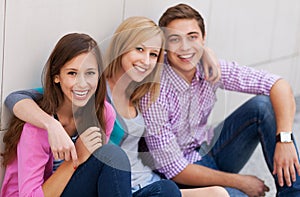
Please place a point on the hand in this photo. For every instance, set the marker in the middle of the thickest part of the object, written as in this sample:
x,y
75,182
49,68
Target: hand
x,y
286,163
61,144
87,143
253,186
211,66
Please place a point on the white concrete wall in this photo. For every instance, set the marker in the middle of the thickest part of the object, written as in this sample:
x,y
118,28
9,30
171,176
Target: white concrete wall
x,y
264,34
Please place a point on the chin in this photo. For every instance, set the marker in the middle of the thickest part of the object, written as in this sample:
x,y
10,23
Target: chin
x,y
138,79
79,103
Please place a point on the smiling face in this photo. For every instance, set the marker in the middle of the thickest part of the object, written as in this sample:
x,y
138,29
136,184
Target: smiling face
x,y
78,79
184,46
139,62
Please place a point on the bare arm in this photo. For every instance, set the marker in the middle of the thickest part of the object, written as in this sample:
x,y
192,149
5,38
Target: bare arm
x,y
198,175
21,103
285,156
61,144
86,144
211,66
211,191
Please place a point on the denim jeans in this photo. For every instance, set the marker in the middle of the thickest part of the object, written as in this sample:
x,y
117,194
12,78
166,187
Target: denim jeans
x,y
106,173
161,188
238,136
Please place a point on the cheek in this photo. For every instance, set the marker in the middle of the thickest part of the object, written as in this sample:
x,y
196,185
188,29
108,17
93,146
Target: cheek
x,y
124,63
172,47
67,83
93,82
171,55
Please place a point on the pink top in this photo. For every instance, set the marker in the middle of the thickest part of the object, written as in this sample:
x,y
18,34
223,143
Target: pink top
x,y
33,164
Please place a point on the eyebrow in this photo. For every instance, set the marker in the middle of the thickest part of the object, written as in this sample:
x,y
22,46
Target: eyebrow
x,y
193,32
75,69
154,48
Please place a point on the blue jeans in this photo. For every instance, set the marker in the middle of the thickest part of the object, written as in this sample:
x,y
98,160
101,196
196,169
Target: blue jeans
x,y
161,188
105,173
239,135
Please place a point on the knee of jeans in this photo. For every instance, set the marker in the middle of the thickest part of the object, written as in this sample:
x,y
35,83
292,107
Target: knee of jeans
x,y
263,104
169,188
113,156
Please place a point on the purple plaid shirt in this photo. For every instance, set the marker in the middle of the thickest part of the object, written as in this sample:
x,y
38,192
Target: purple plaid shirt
x,y
177,121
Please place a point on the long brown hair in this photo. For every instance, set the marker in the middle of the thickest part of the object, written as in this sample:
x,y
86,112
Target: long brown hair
x,y
130,33
68,47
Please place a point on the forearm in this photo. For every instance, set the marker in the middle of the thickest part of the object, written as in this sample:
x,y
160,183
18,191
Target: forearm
x,y
197,175
28,111
55,185
284,105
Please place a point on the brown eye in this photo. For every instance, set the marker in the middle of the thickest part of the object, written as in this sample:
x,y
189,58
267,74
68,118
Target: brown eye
x,y
139,49
72,73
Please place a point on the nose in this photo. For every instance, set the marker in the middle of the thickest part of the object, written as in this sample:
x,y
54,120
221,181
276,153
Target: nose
x,y
185,45
146,59
81,80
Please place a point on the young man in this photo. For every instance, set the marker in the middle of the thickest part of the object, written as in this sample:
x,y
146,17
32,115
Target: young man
x,y
189,152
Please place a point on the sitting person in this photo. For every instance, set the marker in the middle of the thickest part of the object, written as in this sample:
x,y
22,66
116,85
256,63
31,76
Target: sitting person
x,y
192,153
74,94
133,63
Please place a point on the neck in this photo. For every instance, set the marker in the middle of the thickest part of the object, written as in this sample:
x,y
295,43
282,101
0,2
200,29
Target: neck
x,y
66,117
119,83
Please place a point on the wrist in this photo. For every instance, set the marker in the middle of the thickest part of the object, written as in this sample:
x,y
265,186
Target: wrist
x,y
49,122
284,137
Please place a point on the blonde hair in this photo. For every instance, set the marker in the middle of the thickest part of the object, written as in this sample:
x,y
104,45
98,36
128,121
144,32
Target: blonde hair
x,y
132,32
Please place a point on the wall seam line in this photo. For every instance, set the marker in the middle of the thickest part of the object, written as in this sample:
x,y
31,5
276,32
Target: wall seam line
x,y
2,66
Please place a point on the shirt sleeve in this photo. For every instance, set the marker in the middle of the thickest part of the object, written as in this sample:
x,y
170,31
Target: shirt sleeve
x,y
246,79
110,116
161,141
34,161
17,96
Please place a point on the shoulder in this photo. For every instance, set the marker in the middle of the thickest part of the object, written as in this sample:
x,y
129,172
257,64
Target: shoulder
x,y
34,135
32,130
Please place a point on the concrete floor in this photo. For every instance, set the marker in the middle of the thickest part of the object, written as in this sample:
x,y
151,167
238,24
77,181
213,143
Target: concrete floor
x,y
256,166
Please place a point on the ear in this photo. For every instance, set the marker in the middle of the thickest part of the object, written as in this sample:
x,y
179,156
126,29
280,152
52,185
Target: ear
x,y
56,79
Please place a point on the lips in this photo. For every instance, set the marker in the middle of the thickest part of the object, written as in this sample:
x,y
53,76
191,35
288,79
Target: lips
x,y
140,69
80,94
187,56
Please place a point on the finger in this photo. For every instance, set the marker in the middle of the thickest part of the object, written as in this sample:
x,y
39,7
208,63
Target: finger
x,y
215,76
93,146
89,131
73,154
67,155
297,166
206,71
55,155
287,176
266,188
61,155
279,176
96,146
293,173
275,167
95,136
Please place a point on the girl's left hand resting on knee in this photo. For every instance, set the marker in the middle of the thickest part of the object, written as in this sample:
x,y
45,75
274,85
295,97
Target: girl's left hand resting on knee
x,y
89,141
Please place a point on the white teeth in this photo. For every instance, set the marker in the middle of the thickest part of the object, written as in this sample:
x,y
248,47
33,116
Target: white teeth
x,y
80,93
186,56
140,69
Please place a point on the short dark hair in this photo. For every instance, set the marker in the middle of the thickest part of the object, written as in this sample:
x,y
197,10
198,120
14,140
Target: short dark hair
x,y
181,11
